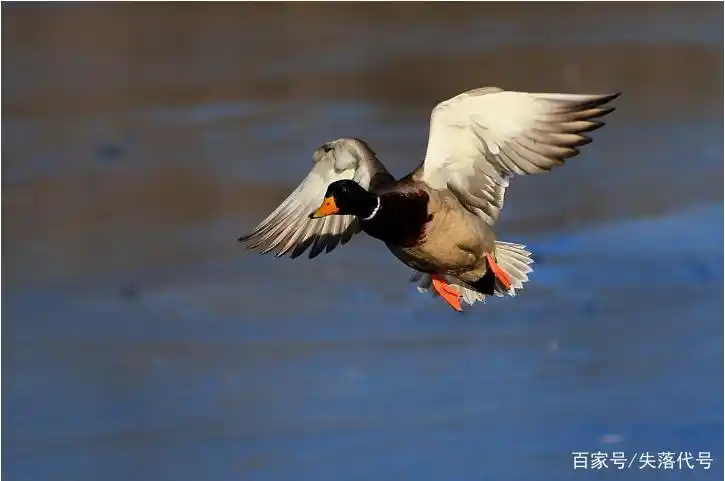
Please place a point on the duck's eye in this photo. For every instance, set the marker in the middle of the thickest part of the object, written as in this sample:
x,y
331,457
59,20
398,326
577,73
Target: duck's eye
x,y
326,148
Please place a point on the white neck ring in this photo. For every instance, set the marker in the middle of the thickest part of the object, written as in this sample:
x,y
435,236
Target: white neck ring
x,y
375,211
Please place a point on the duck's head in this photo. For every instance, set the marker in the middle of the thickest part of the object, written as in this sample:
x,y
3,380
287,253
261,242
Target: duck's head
x,y
347,197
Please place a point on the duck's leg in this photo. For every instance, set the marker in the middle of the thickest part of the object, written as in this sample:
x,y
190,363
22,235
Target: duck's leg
x,y
500,274
448,293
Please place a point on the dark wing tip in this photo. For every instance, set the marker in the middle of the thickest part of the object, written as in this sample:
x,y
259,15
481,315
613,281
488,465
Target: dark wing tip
x,y
599,100
604,100
609,97
604,111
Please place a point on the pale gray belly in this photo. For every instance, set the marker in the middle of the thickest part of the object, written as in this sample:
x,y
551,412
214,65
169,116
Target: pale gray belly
x,y
451,260
454,245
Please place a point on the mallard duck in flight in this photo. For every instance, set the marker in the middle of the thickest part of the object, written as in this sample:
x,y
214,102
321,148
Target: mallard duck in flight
x,y
438,219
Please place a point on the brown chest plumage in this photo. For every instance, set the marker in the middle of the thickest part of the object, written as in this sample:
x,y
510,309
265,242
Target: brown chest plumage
x,y
428,231
401,220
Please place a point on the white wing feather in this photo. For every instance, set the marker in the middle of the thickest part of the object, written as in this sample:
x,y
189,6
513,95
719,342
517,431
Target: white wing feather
x,y
479,139
288,229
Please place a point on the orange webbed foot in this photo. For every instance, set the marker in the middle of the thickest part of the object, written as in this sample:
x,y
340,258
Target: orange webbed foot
x,y
500,274
447,293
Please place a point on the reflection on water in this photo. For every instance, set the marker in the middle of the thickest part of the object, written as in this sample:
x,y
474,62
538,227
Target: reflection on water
x,y
142,342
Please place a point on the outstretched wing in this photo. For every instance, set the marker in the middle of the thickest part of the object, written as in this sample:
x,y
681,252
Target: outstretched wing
x,y
289,230
479,139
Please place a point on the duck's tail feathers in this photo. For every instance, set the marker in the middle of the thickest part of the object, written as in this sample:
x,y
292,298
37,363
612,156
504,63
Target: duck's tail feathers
x,y
514,259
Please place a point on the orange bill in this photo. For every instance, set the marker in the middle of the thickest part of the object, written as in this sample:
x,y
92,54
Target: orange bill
x,y
328,207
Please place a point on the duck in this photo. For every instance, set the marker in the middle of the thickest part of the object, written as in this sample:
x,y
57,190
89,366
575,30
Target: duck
x,y
439,219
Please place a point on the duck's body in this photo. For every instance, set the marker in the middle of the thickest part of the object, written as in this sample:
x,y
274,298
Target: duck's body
x,y
429,231
438,219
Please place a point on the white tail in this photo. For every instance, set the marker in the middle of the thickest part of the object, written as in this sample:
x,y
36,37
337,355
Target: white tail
x,y
514,259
